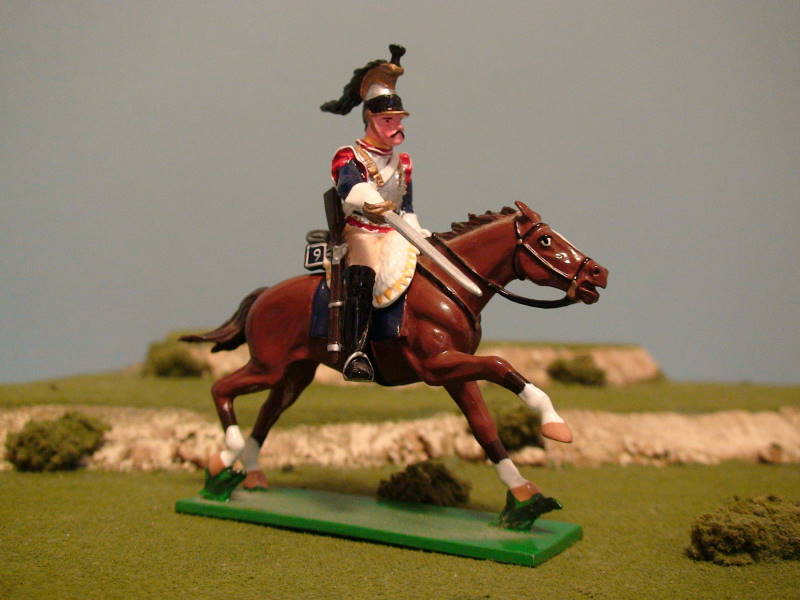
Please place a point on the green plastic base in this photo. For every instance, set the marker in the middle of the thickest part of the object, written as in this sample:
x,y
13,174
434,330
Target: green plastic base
x,y
435,528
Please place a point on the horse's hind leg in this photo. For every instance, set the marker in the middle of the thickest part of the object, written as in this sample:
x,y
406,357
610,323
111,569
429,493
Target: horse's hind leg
x,y
282,395
252,377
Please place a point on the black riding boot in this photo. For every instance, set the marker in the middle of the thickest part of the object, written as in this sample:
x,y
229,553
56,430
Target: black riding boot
x,y
358,282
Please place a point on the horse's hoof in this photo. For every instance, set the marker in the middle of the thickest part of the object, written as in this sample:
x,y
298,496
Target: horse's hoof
x,y
559,432
219,487
255,481
215,464
520,516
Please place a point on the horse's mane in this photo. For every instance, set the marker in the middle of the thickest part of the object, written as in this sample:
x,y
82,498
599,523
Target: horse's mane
x,y
474,222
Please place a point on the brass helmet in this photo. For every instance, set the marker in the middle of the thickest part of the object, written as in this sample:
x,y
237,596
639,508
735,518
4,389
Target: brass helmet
x,y
374,85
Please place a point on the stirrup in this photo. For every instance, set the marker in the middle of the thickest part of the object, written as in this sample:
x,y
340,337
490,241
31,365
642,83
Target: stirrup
x,y
358,368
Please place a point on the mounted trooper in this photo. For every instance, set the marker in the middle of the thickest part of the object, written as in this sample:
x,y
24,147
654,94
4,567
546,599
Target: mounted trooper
x,y
371,179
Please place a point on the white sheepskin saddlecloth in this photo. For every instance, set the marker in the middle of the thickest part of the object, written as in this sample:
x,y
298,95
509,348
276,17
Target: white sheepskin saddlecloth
x,y
398,261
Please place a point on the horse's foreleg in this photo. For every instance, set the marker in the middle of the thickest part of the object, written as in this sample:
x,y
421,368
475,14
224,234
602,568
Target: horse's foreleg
x,y
524,501
282,395
457,367
471,402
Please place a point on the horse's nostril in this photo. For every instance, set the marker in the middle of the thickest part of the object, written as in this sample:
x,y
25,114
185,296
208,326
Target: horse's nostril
x,y
596,271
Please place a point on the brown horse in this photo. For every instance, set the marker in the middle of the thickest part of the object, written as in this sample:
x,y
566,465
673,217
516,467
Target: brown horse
x,y
440,332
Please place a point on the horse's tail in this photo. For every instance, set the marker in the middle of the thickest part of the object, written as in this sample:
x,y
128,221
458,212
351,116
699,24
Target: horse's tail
x,y
229,335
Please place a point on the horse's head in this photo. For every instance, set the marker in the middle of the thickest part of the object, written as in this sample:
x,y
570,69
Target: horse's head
x,y
545,257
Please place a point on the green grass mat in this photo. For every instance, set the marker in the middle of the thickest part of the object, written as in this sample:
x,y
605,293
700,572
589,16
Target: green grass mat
x,y
93,535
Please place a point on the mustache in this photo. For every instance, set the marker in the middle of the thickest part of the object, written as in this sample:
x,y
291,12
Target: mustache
x,y
396,133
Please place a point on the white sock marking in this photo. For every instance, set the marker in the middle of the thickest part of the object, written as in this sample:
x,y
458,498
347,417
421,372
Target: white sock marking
x,y
250,454
234,443
539,401
509,474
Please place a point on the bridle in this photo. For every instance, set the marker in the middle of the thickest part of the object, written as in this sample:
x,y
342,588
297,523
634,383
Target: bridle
x,y
524,246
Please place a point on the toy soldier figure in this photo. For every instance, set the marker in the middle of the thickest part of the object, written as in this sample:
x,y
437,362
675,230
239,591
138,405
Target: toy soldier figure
x,y
371,179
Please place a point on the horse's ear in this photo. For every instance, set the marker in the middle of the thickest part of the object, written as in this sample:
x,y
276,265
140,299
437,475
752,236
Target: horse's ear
x,y
529,214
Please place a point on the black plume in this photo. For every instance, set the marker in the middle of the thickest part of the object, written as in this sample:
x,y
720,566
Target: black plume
x,y
350,93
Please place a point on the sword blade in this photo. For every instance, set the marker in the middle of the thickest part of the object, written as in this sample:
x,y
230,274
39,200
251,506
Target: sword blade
x,y
416,239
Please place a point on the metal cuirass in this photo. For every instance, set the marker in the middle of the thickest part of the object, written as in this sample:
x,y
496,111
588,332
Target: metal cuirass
x,y
395,188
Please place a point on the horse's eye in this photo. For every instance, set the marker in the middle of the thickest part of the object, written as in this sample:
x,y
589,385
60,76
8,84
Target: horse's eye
x,y
545,241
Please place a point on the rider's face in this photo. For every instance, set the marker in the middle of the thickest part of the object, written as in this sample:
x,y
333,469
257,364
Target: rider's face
x,y
386,130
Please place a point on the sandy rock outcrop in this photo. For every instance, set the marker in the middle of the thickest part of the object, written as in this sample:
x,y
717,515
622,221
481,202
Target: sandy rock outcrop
x,y
623,365
220,363
139,440
169,439
672,438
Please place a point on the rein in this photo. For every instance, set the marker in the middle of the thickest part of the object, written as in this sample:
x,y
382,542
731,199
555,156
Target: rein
x,y
499,289
451,293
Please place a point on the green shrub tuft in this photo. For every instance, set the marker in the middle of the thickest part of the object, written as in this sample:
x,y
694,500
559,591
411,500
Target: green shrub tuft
x,y
172,358
55,445
766,528
519,427
581,370
425,482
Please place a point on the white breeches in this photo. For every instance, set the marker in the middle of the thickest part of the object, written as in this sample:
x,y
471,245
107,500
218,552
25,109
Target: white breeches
x,y
388,254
